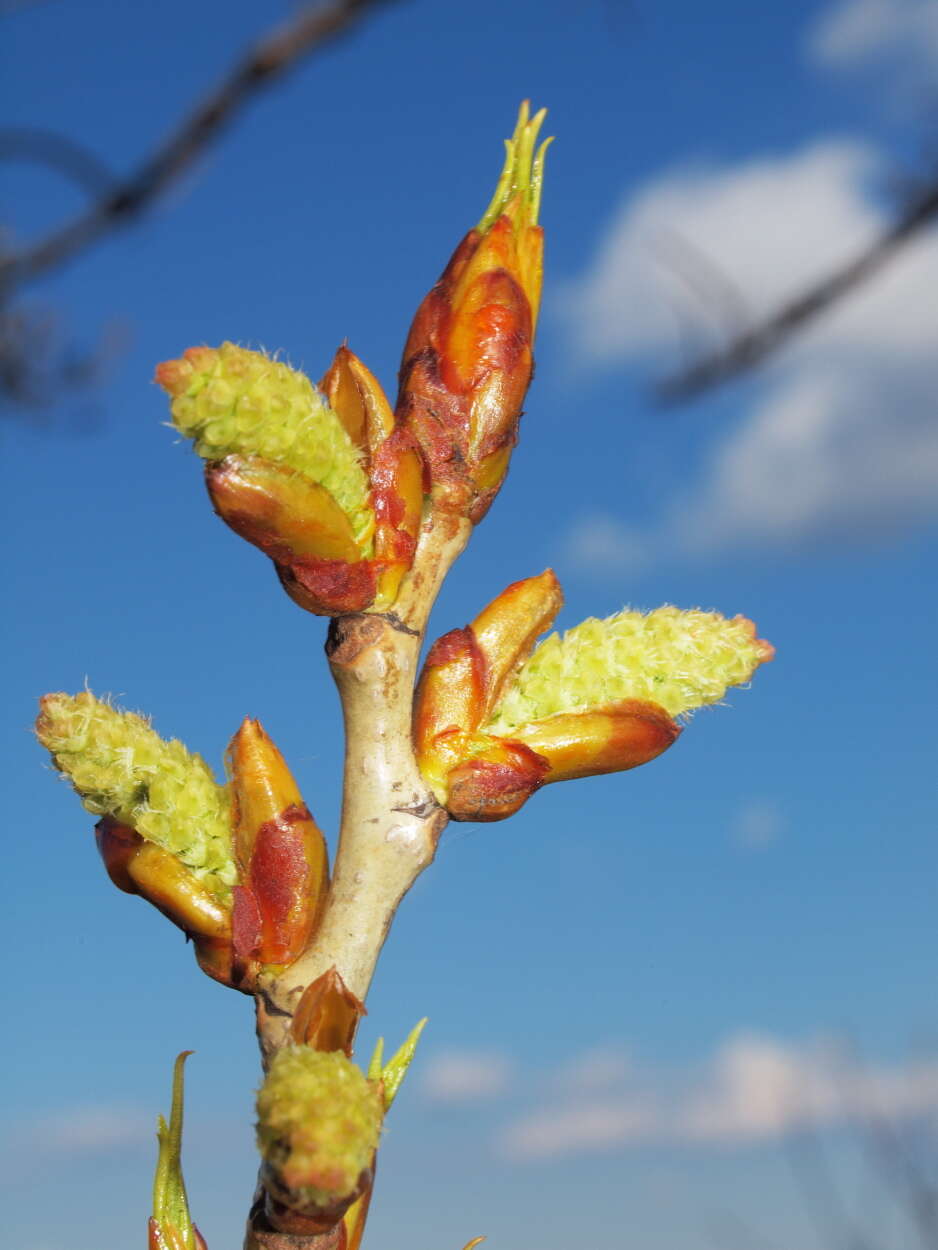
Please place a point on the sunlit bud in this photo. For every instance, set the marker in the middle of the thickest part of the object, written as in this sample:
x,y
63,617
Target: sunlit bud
x,y
601,698
232,401
506,630
327,1015
121,768
449,702
391,460
318,1124
280,852
171,1226
137,866
357,398
468,358
478,776
320,480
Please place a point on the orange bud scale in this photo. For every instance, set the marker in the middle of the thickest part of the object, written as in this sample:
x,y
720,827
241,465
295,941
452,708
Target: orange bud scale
x,y
280,851
602,740
278,882
481,776
327,1015
137,866
492,788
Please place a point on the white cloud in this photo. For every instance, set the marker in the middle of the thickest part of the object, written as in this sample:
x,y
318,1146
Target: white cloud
x,y
842,438
466,1076
601,543
758,824
89,1130
601,1067
753,1089
854,32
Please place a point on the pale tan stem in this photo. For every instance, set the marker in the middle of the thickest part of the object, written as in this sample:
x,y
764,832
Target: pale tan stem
x,y
391,822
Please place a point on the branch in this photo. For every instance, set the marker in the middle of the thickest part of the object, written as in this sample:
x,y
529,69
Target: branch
x,y
391,822
270,57
754,345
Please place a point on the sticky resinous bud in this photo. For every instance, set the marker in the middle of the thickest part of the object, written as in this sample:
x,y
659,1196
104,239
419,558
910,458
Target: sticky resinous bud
x,y
320,480
468,361
281,855
604,697
318,1125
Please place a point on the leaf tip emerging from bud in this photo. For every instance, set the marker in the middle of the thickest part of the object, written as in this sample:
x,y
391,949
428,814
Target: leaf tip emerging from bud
x,y
518,191
171,1226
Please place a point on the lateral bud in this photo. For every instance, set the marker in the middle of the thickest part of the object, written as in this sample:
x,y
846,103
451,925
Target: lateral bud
x,y
322,480
137,866
283,869
318,1124
327,1015
495,719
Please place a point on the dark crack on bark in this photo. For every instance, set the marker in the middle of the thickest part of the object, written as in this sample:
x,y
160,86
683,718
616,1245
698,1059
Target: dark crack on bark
x,y
402,627
420,811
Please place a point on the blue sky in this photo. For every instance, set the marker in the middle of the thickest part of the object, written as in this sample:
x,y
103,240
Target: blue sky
x,y
647,993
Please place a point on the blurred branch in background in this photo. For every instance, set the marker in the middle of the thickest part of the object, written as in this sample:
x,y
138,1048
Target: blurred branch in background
x,y
28,374
751,346
897,1180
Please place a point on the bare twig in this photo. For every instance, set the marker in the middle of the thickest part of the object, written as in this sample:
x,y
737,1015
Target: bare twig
x,y
391,822
754,345
269,58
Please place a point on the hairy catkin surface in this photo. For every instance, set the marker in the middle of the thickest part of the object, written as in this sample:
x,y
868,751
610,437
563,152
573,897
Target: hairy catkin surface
x,y
122,768
318,1122
679,660
240,401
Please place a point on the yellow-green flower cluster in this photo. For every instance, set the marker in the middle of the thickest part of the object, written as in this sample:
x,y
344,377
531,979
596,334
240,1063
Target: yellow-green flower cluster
x,y
122,768
318,1123
678,660
231,400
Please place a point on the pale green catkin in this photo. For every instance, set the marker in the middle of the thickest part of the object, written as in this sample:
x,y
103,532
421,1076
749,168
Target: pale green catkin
x,y
318,1122
238,401
679,660
122,768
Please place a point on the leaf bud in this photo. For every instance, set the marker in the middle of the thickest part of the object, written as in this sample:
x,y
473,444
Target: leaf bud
x,y
468,358
283,867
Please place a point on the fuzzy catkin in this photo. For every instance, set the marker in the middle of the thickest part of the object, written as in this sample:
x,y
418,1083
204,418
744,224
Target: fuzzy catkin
x,y
678,660
120,767
318,1122
234,400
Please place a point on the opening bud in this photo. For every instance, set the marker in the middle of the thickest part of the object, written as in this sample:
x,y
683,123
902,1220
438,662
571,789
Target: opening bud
x,y
468,361
320,480
318,1124
121,768
601,698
